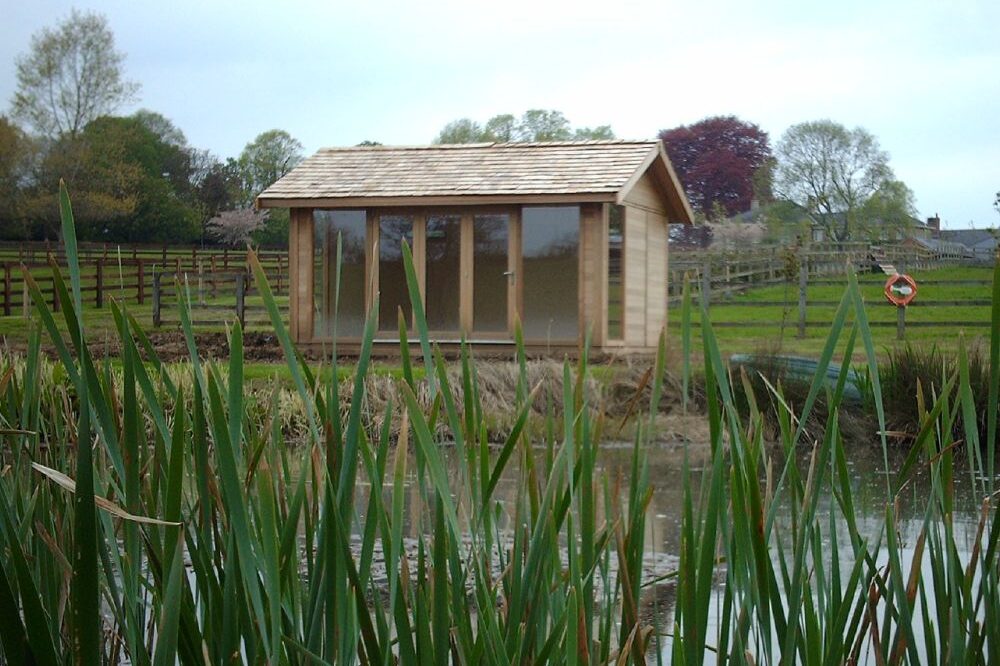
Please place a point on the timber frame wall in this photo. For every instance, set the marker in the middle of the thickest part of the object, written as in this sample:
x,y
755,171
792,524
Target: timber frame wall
x,y
644,266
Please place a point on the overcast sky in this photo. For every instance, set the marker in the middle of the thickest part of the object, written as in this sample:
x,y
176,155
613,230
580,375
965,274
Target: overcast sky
x,y
924,77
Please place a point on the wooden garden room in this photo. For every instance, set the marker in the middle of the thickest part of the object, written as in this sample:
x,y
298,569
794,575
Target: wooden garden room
x,y
564,237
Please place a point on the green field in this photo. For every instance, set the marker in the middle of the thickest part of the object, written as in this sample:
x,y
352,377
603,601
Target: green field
x,y
775,328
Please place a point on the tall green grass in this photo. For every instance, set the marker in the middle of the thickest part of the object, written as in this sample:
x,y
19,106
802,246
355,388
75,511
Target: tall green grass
x,y
157,517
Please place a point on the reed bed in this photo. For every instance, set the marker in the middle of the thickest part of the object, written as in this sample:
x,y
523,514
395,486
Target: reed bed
x,y
152,515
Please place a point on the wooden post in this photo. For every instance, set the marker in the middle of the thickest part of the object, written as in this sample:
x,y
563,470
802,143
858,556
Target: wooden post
x,y
56,304
225,259
901,323
157,320
706,284
99,296
240,292
201,284
803,285
141,282
25,295
278,292
214,283
163,256
6,289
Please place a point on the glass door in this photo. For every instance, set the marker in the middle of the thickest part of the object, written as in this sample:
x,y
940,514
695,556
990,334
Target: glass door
x,y
393,229
442,291
550,240
492,277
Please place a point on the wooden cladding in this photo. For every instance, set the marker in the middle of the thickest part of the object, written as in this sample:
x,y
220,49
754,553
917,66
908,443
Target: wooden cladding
x,y
300,270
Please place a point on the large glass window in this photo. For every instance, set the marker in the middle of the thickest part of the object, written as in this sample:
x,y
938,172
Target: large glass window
x,y
490,234
616,273
444,247
550,241
393,294
349,308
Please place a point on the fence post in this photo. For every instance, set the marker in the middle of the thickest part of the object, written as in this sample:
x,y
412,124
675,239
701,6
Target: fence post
x,y
705,298
156,299
240,292
201,284
278,292
25,295
901,323
99,298
225,259
803,285
6,289
141,277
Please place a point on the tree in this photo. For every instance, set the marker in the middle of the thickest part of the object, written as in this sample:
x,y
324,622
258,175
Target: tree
x,y
266,159
72,75
720,160
128,185
601,132
534,125
463,130
16,151
162,127
236,227
502,128
544,125
996,203
832,172
263,161
889,212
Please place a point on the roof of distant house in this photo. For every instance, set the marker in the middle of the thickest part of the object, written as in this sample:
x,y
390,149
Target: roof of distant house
x,y
477,173
969,237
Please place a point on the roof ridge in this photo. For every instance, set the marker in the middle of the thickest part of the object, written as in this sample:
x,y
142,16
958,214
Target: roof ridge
x,y
494,144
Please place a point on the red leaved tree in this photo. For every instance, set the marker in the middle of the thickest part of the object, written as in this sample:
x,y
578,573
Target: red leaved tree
x,y
720,160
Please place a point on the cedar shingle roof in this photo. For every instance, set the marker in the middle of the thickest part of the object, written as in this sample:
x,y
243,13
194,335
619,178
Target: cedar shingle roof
x,y
484,169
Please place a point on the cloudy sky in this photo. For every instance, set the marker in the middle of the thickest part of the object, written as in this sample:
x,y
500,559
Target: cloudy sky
x,y
923,76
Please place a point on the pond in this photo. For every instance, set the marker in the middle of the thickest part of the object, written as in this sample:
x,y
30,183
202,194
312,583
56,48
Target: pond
x,y
668,466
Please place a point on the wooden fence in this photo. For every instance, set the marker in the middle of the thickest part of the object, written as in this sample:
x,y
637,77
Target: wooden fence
x,y
213,301
716,276
725,272
126,273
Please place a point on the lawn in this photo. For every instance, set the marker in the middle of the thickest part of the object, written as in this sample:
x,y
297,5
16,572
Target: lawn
x,y
742,326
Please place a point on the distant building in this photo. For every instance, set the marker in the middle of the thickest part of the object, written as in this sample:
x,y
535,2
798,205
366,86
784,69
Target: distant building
x,y
980,242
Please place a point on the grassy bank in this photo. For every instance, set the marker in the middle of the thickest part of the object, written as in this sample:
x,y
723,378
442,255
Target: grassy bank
x,y
151,515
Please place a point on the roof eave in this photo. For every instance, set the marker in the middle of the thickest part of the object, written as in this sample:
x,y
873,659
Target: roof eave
x,y
277,201
668,181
